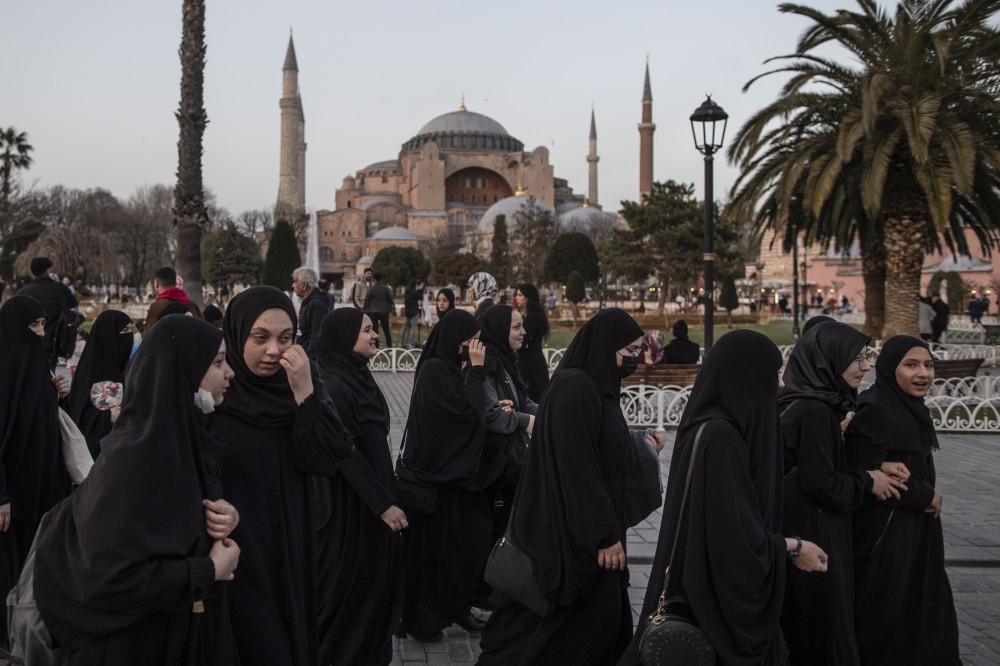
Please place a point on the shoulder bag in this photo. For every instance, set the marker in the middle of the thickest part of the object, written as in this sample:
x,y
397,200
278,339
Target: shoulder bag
x,y
510,570
74,448
670,637
413,494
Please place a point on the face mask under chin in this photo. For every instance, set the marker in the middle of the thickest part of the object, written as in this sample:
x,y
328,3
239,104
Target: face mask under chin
x,y
204,401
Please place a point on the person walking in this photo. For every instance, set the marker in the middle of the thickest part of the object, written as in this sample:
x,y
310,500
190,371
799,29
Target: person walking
x,y
312,310
379,306
531,356
413,297
359,290
940,323
167,293
56,300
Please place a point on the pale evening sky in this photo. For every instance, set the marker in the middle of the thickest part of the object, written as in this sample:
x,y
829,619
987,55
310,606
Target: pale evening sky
x,y
95,84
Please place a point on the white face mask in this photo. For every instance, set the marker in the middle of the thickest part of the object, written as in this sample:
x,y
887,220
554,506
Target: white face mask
x,y
204,401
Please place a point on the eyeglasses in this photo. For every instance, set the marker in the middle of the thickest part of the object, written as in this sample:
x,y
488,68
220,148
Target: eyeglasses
x,y
868,356
633,351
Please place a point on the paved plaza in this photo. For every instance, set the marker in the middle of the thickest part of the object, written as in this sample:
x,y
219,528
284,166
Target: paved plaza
x,y
968,468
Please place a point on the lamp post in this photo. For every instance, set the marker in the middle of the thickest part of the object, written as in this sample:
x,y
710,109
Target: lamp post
x,y
708,126
794,208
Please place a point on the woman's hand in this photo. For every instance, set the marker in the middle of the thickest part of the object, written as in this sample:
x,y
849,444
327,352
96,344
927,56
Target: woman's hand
x,y
656,440
4,517
296,365
811,557
225,555
115,412
612,557
221,518
506,405
531,424
477,352
61,384
896,470
394,518
885,486
935,506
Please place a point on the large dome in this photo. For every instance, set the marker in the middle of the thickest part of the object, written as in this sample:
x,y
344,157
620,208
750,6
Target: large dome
x,y
464,130
395,233
507,207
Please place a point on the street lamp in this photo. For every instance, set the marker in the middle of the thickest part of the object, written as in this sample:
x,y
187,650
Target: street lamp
x,y
708,126
794,210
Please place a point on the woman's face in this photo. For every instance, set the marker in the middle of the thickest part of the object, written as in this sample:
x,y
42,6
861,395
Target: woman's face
x,y
519,299
856,371
516,338
367,338
216,379
442,303
915,373
38,327
631,349
270,336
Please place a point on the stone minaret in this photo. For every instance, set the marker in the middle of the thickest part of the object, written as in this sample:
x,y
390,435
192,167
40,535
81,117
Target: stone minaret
x,y
292,172
646,129
592,160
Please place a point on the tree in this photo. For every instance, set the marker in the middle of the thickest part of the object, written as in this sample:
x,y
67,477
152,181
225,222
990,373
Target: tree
x,y
728,298
572,251
451,267
398,265
901,152
257,224
228,258
190,214
500,252
145,242
282,257
576,291
14,149
535,230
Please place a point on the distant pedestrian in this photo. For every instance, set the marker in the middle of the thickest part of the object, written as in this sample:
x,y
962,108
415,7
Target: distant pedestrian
x,y
359,291
940,323
313,309
56,300
379,306
166,282
925,317
531,357
681,349
413,296
444,303
484,292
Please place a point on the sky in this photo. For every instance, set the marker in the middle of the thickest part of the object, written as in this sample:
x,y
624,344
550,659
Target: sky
x,y
95,84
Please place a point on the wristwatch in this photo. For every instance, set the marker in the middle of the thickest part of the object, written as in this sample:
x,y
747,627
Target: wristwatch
x,y
798,548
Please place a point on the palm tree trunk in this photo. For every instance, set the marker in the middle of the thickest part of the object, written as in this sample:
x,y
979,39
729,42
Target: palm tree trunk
x,y
190,214
905,240
873,273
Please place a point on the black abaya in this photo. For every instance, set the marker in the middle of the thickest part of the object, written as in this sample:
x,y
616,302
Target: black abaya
x,y
122,572
730,559
531,356
570,504
820,492
359,580
904,610
103,360
271,445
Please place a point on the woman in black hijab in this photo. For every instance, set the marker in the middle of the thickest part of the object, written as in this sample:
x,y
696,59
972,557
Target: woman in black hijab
x,y
531,357
730,558
33,476
904,611
822,376
101,367
213,315
129,569
445,302
359,582
445,446
279,426
570,510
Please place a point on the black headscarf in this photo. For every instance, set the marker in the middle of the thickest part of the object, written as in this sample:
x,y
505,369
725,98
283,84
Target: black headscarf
x,y
103,360
32,474
450,295
887,414
100,553
174,307
610,329
813,321
340,364
495,324
817,363
212,314
455,327
262,399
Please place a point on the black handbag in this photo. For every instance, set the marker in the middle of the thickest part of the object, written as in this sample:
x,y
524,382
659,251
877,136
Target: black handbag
x,y
413,495
674,637
510,570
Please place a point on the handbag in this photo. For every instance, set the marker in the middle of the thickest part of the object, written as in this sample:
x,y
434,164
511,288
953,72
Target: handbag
x,y
74,449
413,494
510,570
30,641
674,637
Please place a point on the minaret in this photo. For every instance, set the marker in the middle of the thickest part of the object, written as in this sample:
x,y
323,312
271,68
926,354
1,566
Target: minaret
x,y
646,129
592,160
292,172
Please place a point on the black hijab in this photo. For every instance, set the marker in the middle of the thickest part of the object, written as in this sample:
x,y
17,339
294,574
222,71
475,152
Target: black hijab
x,y
343,369
610,329
103,359
813,321
258,399
455,327
212,315
888,415
174,307
817,363
141,502
450,295
495,323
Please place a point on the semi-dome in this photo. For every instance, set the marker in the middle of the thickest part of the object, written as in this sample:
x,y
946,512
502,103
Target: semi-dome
x,y
464,130
507,207
396,234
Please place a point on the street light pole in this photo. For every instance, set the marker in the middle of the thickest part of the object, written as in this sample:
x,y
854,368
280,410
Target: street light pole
x,y
794,207
708,120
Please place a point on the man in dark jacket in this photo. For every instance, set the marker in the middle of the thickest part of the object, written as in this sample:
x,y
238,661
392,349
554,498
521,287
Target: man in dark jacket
x,y
379,305
681,350
54,297
314,308
940,322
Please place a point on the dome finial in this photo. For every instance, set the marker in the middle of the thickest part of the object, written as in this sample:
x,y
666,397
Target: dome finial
x,y
462,108
586,201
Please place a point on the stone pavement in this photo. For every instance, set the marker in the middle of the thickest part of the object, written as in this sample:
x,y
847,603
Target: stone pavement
x,y
968,468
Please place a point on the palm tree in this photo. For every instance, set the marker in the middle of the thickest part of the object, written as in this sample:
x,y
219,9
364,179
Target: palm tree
x,y
14,149
190,214
900,150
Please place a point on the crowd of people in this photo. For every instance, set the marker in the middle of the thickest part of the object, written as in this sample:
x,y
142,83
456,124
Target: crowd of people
x,y
243,505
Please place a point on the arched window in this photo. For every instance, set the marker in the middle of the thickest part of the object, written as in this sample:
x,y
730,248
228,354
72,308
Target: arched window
x,y
326,255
